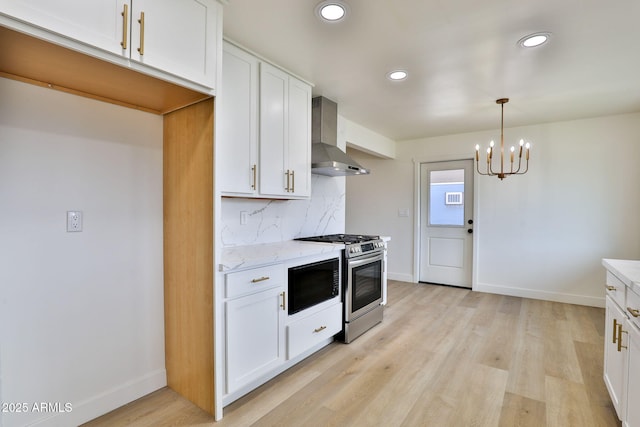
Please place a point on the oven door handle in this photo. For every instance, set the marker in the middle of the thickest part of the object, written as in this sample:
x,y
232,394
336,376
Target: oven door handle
x,y
356,262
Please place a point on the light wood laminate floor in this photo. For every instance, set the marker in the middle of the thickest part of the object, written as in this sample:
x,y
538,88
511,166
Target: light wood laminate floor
x,y
442,357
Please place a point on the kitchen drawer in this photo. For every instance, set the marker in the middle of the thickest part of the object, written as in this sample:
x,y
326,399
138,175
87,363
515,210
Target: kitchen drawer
x,y
633,307
311,330
254,280
616,289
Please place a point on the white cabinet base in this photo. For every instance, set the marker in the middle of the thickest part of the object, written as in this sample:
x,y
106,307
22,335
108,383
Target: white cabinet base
x,y
232,397
307,332
633,387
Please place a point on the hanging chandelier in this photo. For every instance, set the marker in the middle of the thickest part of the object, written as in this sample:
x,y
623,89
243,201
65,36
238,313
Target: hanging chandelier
x,y
502,174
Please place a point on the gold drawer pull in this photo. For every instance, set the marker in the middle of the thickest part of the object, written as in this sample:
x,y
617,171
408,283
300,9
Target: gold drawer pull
x,y
615,330
284,301
620,332
634,311
253,170
141,22
610,288
125,24
293,181
261,279
321,328
288,187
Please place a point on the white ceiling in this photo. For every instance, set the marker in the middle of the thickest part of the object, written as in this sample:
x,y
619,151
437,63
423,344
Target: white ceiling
x,y
461,56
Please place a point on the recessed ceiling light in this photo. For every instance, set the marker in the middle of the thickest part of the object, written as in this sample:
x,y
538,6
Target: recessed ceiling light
x,y
533,40
397,75
331,11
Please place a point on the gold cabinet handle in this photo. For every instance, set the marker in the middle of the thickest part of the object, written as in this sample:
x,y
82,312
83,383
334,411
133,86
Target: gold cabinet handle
x,y
261,279
634,311
610,288
620,332
141,21
254,171
293,181
125,24
615,330
287,189
321,328
284,304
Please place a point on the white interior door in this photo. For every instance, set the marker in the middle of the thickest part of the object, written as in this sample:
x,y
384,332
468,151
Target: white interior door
x,y
446,219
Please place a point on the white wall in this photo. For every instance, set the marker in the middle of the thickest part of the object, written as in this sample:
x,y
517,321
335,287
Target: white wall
x,y
81,314
540,235
363,139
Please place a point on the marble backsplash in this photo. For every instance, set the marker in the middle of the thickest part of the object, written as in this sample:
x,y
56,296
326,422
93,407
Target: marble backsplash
x,y
271,221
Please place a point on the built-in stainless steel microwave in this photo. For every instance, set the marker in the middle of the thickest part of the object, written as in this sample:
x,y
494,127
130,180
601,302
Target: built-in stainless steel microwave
x,y
311,284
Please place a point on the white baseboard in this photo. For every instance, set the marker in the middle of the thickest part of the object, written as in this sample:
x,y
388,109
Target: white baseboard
x,y
400,277
542,295
107,401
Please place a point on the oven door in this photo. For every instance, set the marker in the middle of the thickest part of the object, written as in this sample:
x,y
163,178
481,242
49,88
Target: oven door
x,y
364,284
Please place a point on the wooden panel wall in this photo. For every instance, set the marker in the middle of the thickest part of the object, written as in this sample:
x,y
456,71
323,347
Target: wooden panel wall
x,y
188,252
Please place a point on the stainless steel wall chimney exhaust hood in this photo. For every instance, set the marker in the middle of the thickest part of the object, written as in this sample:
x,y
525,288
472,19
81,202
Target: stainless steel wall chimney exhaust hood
x,y
326,157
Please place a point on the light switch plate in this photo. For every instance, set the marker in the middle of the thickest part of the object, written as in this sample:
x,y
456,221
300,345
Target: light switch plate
x,y
74,221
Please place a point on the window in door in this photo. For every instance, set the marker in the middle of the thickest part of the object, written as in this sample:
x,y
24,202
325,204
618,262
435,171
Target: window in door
x,y
446,197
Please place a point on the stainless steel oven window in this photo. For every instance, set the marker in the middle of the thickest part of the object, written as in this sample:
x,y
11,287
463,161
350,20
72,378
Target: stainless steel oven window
x,y
364,284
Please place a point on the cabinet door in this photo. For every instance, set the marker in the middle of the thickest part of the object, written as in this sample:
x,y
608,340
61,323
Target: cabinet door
x,y
633,376
97,23
299,150
255,336
274,88
237,106
179,37
614,360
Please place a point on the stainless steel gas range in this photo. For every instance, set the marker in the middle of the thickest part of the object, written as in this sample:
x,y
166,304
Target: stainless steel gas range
x,y
362,281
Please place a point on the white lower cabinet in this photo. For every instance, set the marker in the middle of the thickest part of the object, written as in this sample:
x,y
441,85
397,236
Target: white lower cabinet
x,y
632,418
614,358
622,341
261,338
254,325
311,330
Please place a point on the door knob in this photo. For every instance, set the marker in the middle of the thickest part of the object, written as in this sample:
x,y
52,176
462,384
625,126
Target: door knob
x,y
470,221
470,230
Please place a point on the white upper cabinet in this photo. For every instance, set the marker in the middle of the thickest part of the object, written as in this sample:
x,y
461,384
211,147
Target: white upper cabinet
x,y
176,37
299,141
96,23
237,122
285,134
274,89
264,129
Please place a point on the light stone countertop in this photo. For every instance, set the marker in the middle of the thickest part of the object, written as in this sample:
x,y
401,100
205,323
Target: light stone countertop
x,y
247,256
628,271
